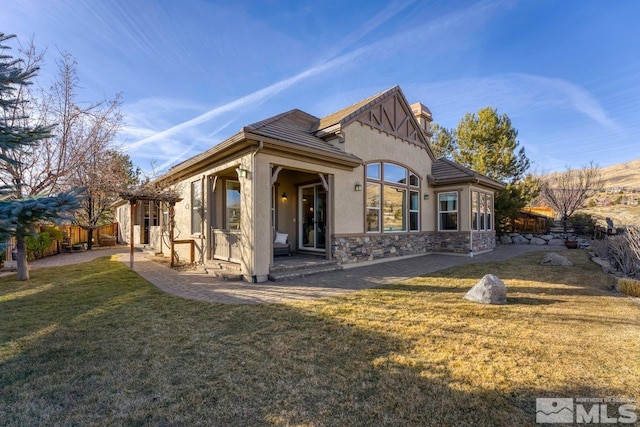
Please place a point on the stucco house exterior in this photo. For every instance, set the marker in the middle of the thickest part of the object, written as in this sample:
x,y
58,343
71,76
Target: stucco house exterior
x,y
358,185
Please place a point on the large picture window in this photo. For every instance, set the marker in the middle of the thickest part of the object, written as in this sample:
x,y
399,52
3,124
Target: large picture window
x,y
482,211
392,199
196,207
448,211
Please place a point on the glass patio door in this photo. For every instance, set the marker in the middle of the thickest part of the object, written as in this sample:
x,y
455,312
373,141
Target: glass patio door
x,y
313,217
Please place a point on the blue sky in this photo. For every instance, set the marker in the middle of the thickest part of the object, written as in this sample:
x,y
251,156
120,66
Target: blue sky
x,y
192,73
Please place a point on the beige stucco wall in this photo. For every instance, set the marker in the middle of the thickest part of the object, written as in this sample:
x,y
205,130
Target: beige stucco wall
x,y
372,145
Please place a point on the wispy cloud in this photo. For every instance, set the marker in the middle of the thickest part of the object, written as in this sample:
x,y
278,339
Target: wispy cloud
x,y
513,93
472,16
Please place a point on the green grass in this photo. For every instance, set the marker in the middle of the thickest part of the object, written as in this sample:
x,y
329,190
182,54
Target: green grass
x,y
94,344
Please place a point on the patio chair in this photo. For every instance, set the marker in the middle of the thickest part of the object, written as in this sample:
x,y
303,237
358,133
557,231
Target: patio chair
x,y
281,245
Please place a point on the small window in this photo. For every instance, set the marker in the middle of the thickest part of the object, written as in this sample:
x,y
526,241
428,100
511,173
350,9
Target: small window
x,y
482,211
196,207
414,211
414,181
373,171
233,206
490,213
448,211
373,207
474,210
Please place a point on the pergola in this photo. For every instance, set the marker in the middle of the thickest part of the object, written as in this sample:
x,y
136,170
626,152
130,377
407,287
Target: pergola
x,y
151,194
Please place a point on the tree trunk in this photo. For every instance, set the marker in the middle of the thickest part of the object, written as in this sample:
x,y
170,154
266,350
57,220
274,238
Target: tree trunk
x,y
21,258
89,238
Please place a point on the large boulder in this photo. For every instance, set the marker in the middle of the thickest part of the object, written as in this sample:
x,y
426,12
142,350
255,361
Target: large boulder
x,y
537,241
489,290
553,258
546,237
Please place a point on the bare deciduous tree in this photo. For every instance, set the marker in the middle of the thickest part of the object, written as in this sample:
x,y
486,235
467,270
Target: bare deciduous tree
x,y
80,130
567,191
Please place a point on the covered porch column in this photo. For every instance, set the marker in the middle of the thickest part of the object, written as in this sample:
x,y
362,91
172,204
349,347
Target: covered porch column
x,y
258,219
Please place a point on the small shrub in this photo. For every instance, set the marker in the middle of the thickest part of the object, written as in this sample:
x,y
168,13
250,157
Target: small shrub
x,y
583,224
617,251
629,286
38,244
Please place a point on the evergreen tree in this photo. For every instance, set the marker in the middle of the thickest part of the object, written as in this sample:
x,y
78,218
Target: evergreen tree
x,y
19,215
487,143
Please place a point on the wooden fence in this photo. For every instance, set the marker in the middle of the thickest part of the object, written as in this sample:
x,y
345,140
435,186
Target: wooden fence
x,y
73,234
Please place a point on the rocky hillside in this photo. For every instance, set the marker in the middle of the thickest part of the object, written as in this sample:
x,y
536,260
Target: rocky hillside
x,y
620,200
625,175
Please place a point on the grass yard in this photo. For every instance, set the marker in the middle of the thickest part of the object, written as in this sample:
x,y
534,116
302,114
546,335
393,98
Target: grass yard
x,y
94,344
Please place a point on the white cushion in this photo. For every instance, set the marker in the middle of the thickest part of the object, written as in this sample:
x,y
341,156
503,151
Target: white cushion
x,y
281,238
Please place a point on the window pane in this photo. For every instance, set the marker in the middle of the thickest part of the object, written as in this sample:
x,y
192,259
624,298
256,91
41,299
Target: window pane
x,y
394,209
196,207
393,173
449,221
373,194
448,202
373,220
233,205
482,211
413,180
414,202
414,221
447,211
373,171
474,210
489,212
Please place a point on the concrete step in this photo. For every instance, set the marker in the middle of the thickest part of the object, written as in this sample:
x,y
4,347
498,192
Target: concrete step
x,y
302,265
290,274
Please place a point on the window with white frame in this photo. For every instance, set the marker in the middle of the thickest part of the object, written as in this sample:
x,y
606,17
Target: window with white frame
x,y
481,211
392,199
448,211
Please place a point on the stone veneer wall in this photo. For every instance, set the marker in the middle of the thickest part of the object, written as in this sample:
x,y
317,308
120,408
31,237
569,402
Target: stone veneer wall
x,y
349,249
484,241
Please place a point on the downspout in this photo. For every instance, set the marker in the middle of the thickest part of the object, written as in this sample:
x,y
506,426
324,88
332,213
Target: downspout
x,y
254,279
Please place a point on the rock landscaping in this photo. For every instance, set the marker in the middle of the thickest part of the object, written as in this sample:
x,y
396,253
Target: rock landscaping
x,y
556,239
489,290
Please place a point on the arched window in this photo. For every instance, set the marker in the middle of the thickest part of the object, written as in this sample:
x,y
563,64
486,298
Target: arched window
x,y
392,198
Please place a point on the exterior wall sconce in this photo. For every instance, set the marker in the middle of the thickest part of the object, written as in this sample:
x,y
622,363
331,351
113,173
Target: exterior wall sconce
x,y
426,197
242,172
358,186
284,197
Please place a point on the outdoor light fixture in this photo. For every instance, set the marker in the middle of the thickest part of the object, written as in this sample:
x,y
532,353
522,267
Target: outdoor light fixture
x,y
426,197
242,172
358,186
284,197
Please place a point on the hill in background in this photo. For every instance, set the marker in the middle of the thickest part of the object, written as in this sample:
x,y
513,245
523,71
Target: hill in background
x,y
620,199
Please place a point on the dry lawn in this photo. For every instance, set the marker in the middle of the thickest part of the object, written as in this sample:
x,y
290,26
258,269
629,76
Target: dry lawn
x,y
94,344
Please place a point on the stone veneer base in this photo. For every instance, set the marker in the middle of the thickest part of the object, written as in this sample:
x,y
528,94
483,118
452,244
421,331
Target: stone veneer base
x,y
350,249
